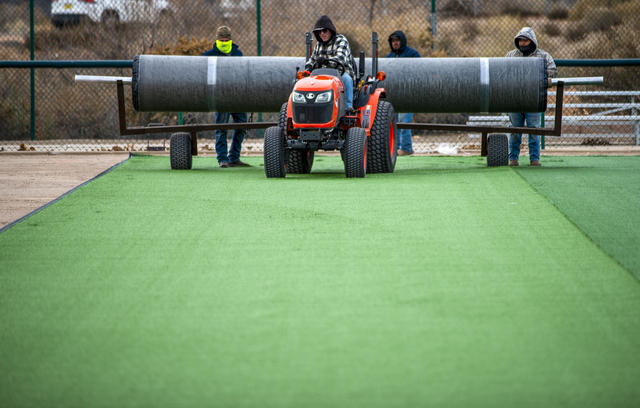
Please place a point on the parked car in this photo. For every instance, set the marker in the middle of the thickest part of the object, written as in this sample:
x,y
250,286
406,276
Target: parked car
x,y
108,11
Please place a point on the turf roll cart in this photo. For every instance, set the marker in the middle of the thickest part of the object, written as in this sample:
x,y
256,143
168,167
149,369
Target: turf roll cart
x,y
163,83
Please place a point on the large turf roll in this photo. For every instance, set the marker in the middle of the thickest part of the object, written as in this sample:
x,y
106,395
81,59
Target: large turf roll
x,y
262,84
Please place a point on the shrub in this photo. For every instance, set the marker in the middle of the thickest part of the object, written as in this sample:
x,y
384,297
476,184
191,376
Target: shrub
x,y
470,30
551,29
458,8
603,19
558,12
522,9
577,31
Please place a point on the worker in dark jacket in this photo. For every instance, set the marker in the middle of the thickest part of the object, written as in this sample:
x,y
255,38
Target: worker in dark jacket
x,y
224,47
400,49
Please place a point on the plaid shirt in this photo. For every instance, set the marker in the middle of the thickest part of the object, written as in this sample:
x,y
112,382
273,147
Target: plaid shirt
x,y
338,50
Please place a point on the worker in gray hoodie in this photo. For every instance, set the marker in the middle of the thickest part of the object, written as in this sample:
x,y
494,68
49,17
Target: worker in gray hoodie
x,y
527,46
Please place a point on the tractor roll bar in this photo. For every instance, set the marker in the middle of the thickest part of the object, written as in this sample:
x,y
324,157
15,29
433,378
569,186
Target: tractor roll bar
x,y
374,54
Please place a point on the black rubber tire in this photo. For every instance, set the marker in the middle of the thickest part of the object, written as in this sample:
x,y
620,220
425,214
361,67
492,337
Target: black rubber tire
x,y
274,144
382,150
355,153
497,150
180,151
298,161
283,116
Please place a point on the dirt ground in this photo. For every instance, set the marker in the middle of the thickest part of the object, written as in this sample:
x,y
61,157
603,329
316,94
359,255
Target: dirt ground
x,y
30,180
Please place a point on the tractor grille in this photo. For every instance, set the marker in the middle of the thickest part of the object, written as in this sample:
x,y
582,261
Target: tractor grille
x,y
312,113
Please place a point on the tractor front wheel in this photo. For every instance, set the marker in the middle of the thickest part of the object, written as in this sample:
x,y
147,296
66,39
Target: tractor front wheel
x,y
274,143
382,143
180,151
355,152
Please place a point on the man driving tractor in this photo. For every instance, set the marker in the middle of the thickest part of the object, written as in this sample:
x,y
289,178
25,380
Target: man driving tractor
x,y
332,51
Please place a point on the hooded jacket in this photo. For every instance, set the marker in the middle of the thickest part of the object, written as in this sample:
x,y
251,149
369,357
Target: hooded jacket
x,y
215,52
527,32
336,50
404,51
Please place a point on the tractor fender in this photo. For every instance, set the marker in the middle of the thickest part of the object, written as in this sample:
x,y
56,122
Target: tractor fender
x,y
370,109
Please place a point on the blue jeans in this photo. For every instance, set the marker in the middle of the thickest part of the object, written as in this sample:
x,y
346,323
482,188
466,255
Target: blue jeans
x,y
347,81
404,135
236,141
515,139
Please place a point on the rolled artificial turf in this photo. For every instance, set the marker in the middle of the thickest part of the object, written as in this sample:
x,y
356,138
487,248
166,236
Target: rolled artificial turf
x,y
444,283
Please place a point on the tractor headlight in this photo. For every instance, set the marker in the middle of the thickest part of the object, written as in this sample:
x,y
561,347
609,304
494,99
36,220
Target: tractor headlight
x,y
299,97
323,97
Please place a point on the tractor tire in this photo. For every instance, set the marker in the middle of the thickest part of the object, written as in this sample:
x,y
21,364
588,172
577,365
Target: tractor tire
x,y
300,161
355,152
382,145
497,150
282,122
274,144
180,151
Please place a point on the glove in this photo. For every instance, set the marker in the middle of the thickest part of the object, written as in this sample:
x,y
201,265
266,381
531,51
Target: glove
x,y
336,65
320,62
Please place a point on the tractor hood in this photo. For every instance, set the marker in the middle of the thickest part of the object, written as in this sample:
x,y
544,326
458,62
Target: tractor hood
x,y
317,83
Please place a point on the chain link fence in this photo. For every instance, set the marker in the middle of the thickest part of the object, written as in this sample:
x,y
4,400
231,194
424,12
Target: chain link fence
x,y
79,116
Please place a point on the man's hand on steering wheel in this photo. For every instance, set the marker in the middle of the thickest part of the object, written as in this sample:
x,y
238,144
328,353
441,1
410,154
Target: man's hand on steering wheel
x,y
322,62
336,65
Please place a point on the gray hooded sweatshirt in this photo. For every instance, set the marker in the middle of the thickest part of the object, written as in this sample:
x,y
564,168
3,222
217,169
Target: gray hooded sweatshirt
x,y
527,32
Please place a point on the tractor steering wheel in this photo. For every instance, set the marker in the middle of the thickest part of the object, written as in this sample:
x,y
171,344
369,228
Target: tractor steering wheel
x,y
329,63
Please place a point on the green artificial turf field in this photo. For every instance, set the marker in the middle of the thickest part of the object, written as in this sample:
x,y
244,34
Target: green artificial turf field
x,y
446,283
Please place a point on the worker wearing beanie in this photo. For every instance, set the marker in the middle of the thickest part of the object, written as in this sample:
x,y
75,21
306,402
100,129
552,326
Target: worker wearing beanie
x,y
224,47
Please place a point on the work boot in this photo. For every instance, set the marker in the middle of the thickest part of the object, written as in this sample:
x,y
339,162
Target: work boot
x,y
223,164
535,163
513,163
404,153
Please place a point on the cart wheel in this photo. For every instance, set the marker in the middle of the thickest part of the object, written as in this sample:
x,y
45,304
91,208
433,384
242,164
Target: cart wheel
x,y
180,151
274,142
497,150
382,141
355,152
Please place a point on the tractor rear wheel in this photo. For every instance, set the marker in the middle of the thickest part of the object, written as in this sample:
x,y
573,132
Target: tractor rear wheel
x,y
355,152
300,161
382,148
283,116
497,150
274,142
180,151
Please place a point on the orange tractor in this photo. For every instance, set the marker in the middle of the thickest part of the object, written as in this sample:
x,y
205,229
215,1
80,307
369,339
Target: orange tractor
x,y
315,118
